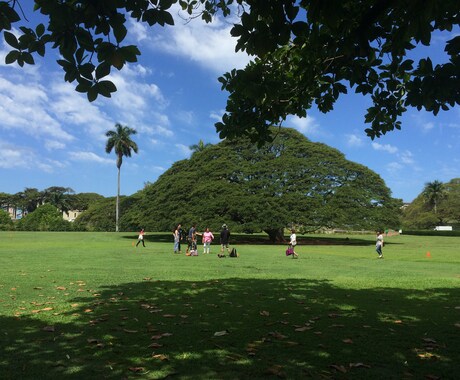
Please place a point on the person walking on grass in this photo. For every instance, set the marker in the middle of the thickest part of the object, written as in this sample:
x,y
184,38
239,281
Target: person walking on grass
x,y
293,243
208,237
176,237
379,244
140,238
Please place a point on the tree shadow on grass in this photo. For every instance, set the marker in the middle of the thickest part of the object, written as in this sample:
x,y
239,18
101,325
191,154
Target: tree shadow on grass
x,y
235,329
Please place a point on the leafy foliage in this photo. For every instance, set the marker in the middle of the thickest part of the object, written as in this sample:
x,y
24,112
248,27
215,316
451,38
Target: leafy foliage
x,y
44,218
305,53
291,182
421,213
6,224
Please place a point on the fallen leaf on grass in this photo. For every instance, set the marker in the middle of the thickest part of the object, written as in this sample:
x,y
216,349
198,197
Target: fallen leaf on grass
x,y
61,288
339,368
221,333
161,357
88,310
155,345
359,365
304,328
49,329
130,331
276,370
347,341
277,335
457,325
47,309
169,316
136,369
264,313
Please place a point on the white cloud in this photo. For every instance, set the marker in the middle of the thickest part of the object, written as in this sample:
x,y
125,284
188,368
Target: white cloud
x,y
183,149
427,126
53,145
407,158
216,115
354,140
24,107
306,125
89,157
209,45
14,156
394,166
385,148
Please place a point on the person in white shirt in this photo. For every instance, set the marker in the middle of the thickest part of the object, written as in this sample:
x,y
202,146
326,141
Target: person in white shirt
x,y
293,243
379,244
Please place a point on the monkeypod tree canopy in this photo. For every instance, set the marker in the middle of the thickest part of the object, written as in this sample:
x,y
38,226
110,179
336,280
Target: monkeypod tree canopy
x,y
290,182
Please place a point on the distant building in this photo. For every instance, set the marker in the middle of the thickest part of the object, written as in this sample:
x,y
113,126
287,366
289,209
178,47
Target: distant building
x,y
13,212
71,215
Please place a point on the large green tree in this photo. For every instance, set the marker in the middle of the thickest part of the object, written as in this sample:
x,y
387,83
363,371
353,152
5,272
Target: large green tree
x,y
305,53
59,197
120,141
290,182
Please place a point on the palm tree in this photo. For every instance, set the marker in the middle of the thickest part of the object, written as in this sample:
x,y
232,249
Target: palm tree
x,y
121,142
199,147
433,193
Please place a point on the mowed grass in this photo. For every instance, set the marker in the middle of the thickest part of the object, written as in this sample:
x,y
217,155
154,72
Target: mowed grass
x,y
93,306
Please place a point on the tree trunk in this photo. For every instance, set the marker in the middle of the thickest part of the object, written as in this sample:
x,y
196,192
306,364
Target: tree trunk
x,y
276,235
118,202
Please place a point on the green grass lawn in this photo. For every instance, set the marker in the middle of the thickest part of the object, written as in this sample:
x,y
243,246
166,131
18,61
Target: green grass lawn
x,y
93,306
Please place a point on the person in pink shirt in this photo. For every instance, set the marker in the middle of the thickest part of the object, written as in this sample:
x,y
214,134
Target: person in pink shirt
x,y
208,237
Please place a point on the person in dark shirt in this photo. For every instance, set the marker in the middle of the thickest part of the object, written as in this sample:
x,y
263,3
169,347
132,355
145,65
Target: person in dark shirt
x,y
224,238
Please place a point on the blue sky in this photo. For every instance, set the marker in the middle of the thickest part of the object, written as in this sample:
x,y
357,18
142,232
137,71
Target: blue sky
x,y
51,135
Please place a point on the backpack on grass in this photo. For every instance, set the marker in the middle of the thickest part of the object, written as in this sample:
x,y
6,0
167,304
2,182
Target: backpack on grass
x,y
233,253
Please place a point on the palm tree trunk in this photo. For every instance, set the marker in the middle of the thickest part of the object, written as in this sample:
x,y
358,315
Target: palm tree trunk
x,y
118,202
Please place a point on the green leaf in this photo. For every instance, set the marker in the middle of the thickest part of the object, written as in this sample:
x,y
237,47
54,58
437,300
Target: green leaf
x,y
120,31
102,70
105,88
28,58
40,30
11,39
92,94
12,57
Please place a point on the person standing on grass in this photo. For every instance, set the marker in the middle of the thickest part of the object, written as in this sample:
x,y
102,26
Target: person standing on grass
x,y
379,244
191,237
293,243
208,237
140,238
180,232
224,238
176,237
